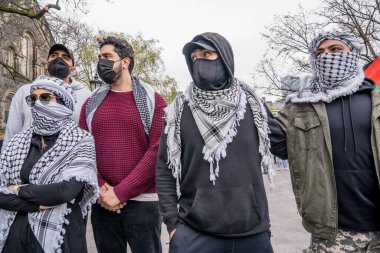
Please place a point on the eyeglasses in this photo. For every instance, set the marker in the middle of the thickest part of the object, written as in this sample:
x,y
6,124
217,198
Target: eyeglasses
x,y
44,98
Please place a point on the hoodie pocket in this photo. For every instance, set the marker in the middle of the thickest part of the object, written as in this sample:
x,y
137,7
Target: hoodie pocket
x,y
224,211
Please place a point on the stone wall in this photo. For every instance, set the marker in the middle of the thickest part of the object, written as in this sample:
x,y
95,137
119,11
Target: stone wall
x,y
24,44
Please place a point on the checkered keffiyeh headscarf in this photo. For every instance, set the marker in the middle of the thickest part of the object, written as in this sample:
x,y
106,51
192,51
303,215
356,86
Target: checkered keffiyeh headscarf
x,y
217,115
334,74
59,88
50,118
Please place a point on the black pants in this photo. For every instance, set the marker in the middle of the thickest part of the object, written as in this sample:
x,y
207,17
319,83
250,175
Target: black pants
x,y
188,240
139,224
21,237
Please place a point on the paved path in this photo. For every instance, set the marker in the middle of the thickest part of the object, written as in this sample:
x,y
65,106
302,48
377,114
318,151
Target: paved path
x,y
288,236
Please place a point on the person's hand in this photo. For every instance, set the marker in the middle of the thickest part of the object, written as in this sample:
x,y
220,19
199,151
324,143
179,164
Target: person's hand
x,y
116,208
171,234
109,200
119,207
102,190
11,187
43,208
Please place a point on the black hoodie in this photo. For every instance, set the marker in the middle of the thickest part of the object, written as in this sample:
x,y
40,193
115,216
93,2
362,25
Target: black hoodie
x,y
358,190
236,205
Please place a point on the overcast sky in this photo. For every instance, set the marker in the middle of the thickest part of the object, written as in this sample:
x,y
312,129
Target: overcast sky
x,y
175,22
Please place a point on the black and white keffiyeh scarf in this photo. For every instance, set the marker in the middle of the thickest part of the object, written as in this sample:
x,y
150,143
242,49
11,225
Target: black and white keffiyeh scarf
x,y
141,98
50,118
72,156
59,88
217,115
334,74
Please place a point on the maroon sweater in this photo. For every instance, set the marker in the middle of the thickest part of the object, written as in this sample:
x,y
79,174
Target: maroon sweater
x,y
126,157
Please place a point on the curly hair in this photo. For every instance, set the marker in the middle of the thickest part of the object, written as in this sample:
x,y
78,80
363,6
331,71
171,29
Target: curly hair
x,y
122,48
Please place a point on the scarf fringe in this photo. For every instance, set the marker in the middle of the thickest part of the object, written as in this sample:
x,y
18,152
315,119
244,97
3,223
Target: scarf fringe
x,y
303,95
263,132
86,204
214,156
173,115
62,221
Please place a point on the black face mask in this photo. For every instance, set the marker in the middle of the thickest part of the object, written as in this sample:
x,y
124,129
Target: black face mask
x,y
58,68
106,72
210,74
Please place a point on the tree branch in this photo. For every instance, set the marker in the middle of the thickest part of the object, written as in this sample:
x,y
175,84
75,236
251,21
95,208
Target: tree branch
x,y
29,13
13,72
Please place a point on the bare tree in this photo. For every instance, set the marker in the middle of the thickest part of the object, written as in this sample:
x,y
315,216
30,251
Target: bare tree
x,y
16,7
289,36
360,17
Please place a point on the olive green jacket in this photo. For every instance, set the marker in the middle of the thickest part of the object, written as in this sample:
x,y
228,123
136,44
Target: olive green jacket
x,y
309,150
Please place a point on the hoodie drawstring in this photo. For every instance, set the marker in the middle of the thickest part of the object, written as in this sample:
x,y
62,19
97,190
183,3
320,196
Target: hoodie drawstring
x,y
344,125
353,126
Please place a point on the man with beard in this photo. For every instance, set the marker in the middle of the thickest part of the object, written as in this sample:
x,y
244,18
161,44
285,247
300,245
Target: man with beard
x,y
331,128
60,64
214,144
125,117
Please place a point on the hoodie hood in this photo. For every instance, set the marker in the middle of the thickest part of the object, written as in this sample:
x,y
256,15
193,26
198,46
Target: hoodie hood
x,y
222,46
75,85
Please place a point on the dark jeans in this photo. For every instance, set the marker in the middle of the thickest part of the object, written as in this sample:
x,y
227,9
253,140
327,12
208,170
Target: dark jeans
x,y
139,224
188,240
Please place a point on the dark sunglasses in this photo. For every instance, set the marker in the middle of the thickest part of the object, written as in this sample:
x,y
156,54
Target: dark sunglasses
x,y
44,98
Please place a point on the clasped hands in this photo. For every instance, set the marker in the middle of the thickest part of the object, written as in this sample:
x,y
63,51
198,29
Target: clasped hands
x,y
108,199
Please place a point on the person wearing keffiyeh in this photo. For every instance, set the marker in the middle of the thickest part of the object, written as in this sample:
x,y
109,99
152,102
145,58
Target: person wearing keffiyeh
x,y
215,140
331,128
48,176
125,116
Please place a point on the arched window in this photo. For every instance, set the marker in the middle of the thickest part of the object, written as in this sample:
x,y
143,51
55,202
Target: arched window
x,y
11,57
7,106
27,49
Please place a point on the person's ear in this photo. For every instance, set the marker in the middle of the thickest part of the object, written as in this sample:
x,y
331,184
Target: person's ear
x,y
126,62
73,71
44,64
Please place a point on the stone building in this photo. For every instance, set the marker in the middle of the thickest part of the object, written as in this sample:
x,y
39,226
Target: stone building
x,y
24,45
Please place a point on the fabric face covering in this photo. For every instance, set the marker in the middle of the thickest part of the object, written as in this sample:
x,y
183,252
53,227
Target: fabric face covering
x,y
105,70
210,74
333,69
333,75
58,68
50,118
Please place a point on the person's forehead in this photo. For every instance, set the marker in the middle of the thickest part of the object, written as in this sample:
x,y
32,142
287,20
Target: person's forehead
x,y
200,50
60,52
330,42
40,91
107,49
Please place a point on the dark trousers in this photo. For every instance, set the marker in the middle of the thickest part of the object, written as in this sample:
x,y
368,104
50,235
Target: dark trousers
x,y
21,237
139,224
188,240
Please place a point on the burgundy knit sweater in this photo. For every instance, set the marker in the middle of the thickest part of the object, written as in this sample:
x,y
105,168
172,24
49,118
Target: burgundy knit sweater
x,y
126,157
